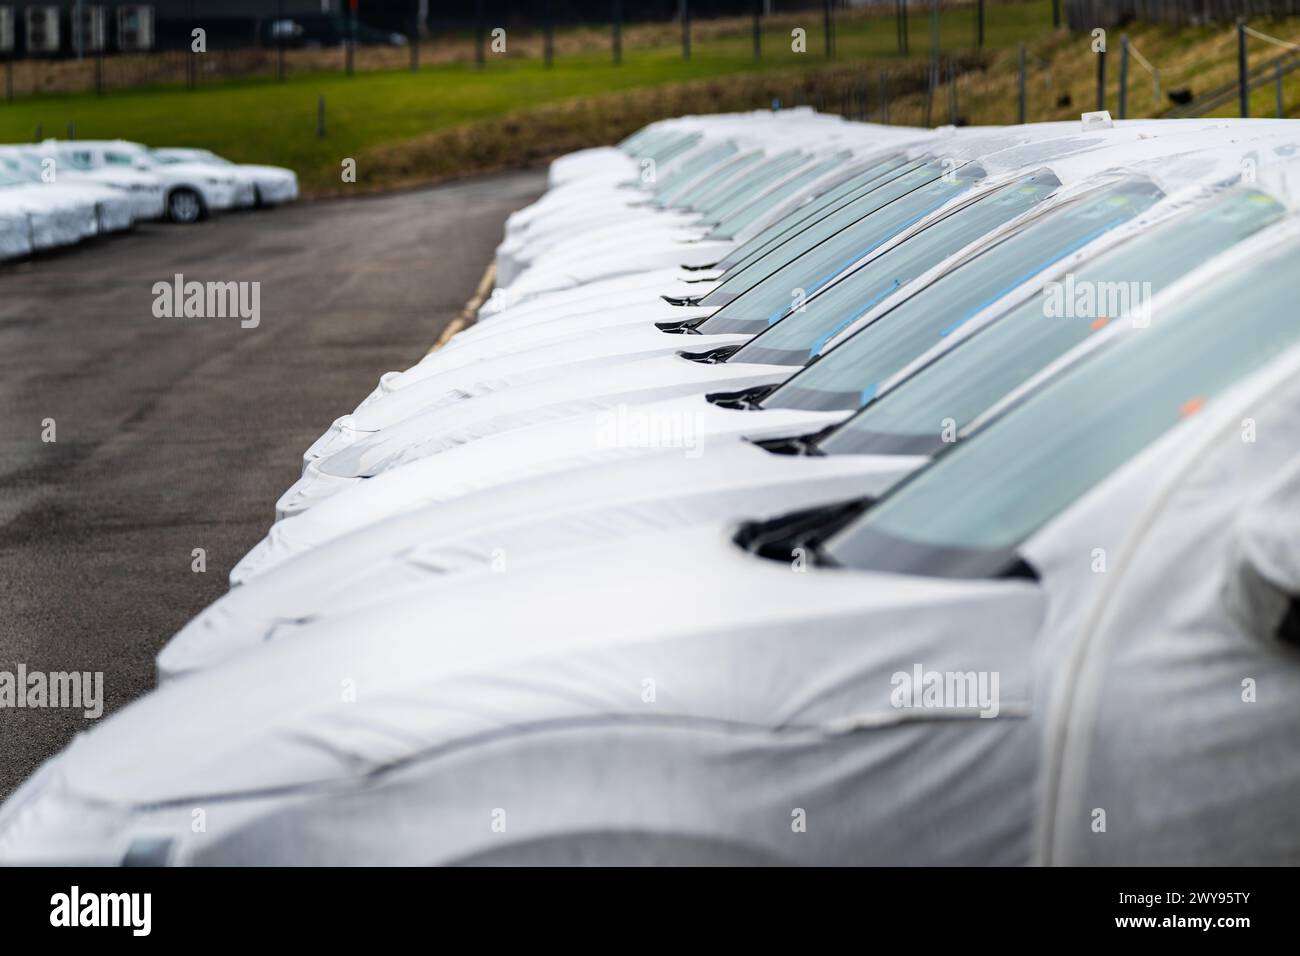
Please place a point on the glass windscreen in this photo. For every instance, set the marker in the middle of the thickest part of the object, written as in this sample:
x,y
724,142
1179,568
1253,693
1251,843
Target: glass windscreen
x,y
848,189
796,336
690,172
733,221
818,254
966,513
834,237
964,382
726,177
848,375
750,185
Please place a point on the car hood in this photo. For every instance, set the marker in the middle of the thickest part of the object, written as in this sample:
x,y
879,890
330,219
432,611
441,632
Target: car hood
x,y
491,411
723,638
520,456
489,529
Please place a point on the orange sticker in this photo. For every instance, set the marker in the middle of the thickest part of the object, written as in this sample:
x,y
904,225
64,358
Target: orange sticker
x,y
1098,324
1191,407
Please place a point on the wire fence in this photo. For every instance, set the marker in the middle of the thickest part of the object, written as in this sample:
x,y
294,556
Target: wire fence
x,y
1084,15
273,47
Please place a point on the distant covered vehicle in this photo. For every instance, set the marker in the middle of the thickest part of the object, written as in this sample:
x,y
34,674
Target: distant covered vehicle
x,y
114,207
193,190
272,185
146,190
492,694
53,220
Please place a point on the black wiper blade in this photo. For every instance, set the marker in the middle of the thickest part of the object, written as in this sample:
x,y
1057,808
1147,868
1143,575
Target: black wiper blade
x,y
800,532
681,300
796,444
711,356
745,400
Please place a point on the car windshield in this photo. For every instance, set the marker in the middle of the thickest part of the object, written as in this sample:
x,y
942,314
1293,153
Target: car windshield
x,y
962,383
848,375
727,176
747,212
798,335
735,193
670,147
78,158
842,192
15,166
692,169
819,253
967,513
119,158
753,186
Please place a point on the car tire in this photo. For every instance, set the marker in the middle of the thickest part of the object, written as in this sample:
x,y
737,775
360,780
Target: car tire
x,y
184,206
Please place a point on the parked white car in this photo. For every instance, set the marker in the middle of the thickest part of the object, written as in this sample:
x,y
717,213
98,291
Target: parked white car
x,y
114,208
272,185
711,461
53,219
192,190
710,663
909,227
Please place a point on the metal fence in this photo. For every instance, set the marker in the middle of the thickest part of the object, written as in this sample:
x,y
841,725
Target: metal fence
x,y
275,44
1084,15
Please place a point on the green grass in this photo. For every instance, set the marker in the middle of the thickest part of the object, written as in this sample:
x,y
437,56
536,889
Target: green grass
x,y
261,120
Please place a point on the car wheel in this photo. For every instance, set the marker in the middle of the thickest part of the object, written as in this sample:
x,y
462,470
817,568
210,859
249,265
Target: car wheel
x,y
258,201
184,205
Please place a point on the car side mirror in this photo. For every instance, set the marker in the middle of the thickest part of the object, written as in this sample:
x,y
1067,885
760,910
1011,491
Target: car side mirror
x,y
1262,589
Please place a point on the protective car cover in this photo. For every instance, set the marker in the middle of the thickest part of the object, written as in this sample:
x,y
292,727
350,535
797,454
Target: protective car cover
x,y
668,488
1192,645
457,423
740,727
520,455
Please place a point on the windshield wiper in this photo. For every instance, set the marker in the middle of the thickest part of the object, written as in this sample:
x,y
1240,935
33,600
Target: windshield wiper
x,y
712,356
796,445
799,532
745,400
679,300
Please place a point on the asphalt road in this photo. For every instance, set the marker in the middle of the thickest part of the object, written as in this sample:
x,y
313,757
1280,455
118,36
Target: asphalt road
x,y
176,434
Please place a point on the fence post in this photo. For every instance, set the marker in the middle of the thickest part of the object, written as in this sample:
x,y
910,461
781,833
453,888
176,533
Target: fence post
x,y
884,101
1056,14
1277,68
932,79
979,25
952,95
758,30
1243,79
72,129
190,72
618,32
279,40
548,35
1101,80
902,26
320,116
40,132
829,25
479,58
1021,84
684,14
352,35
934,34
1123,77
415,44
